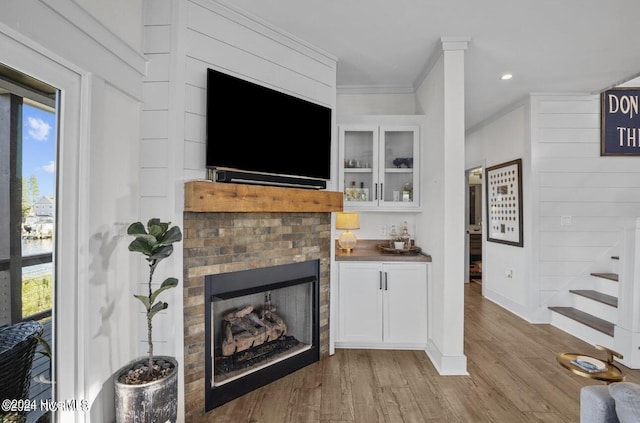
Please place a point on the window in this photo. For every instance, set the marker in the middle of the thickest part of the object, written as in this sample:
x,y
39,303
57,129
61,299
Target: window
x,y
28,146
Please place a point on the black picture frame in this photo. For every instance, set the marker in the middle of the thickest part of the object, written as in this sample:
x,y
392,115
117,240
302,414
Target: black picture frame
x,y
504,203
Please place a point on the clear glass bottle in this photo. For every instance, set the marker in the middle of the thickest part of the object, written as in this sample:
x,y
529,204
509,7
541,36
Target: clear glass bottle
x,y
407,192
405,236
393,236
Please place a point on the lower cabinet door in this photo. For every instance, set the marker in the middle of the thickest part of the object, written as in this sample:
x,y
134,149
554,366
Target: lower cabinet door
x,y
360,303
405,304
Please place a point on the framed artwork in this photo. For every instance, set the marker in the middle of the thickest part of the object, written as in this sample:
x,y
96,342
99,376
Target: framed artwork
x,y
504,203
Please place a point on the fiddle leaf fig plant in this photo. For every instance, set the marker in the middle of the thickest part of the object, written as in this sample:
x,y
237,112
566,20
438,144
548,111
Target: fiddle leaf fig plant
x,y
155,242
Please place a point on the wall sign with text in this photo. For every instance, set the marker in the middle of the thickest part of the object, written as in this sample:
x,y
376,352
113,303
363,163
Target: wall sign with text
x,y
620,123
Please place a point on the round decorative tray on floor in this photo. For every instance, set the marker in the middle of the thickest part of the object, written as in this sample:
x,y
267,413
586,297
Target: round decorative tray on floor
x,y
411,250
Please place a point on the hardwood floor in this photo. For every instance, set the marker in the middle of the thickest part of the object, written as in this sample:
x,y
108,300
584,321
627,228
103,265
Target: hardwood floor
x,y
513,377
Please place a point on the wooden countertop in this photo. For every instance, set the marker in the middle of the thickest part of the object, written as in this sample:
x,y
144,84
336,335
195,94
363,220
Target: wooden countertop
x,y
367,250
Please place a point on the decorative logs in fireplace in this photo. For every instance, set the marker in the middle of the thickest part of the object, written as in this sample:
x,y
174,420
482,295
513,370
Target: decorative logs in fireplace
x,y
243,329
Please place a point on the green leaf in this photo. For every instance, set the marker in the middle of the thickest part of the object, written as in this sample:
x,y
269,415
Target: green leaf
x,y
141,245
158,229
171,236
157,307
145,300
167,284
147,238
136,228
162,252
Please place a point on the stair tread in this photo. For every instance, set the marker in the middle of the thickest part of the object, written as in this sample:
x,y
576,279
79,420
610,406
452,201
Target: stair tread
x,y
597,296
586,319
610,276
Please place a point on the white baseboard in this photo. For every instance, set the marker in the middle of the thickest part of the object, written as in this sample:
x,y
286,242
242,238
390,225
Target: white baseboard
x,y
447,365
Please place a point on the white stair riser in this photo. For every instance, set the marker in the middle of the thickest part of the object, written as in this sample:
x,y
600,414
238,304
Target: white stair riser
x,y
581,331
595,308
606,286
615,266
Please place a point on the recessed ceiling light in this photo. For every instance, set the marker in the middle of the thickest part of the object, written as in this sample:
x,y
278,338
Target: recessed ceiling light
x,y
506,76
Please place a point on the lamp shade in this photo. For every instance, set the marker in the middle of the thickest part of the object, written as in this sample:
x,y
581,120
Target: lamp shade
x,y
347,220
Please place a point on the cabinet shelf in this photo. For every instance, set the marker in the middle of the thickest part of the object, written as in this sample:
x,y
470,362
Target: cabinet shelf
x,y
358,170
399,170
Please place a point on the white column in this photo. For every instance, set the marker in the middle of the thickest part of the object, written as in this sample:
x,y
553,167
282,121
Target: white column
x,y
443,99
454,206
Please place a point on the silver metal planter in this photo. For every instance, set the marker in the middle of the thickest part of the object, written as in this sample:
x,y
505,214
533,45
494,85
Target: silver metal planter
x,y
153,402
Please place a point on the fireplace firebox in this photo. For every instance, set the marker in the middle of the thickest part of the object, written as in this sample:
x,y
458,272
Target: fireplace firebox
x,y
260,325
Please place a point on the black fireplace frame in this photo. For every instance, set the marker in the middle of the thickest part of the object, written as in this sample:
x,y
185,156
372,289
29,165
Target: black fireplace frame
x,y
252,281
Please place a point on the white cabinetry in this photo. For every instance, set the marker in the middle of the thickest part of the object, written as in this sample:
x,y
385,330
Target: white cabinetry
x,y
379,164
382,305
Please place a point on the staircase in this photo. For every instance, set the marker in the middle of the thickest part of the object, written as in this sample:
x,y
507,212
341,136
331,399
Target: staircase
x,y
592,315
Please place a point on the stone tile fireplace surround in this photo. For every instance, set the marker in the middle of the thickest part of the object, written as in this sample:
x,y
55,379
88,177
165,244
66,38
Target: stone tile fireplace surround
x,y
222,241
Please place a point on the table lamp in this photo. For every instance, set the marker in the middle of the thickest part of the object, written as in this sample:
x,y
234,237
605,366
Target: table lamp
x,y
347,221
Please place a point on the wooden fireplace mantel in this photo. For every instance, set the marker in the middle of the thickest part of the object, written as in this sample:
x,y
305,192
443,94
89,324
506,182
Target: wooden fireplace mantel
x,y
207,196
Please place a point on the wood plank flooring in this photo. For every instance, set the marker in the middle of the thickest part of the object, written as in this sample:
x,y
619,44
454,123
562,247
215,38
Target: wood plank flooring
x,y
513,377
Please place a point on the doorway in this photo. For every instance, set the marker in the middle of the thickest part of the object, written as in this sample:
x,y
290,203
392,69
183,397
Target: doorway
x,y
474,216
29,141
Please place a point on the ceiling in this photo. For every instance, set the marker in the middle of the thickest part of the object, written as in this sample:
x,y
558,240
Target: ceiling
x,y
550,46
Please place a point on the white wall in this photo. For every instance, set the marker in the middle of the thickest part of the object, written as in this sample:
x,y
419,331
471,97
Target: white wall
x,y
112,278
161,152
122,17
349,104
500,141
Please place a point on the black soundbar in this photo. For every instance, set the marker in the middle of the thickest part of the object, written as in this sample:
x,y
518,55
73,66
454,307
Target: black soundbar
x,y
240,177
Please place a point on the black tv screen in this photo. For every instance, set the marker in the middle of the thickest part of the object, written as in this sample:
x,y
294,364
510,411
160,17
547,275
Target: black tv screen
x,y
254,128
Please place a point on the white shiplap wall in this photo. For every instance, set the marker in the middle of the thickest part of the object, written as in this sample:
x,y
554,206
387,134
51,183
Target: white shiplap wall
x,y
231,42
182,38
595,194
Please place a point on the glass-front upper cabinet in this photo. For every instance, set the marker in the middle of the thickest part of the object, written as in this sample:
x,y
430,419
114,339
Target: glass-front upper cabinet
x,y
379,166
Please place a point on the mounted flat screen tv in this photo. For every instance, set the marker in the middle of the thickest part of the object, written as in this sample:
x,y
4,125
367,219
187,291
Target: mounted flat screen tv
x,y
252,128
